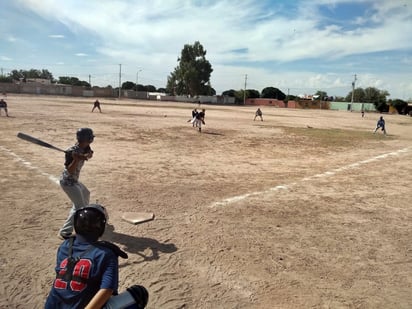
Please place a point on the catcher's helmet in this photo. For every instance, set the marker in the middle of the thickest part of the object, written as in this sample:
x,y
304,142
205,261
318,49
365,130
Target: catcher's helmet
x,y
85,135
90,221
140,295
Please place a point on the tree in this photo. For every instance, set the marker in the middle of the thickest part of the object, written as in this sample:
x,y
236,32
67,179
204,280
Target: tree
x,y
150,88
272,93
6,79
252,94
323,95
74,81
32,73
373,95
162,90
229,93
239,95
400,105
17,75
140,87
46,75
370,95
129,85
192,75
358,95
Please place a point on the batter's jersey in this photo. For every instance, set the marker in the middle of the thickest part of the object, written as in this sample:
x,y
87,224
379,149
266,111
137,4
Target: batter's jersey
x,y
97,268
67,178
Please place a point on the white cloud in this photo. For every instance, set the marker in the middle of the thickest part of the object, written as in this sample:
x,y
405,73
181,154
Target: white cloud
x,y
4,58
11,39
151,35
56,36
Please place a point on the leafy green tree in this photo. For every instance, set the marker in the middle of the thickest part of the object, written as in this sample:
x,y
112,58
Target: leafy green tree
x,y
17,75
32,73
128,85
370,95
322,94
339,99
358,95
47,75
74,81
252,94
272,93
140,87
373,95
400,106
229,93
150,88
239,96
192,75
162,90
6,79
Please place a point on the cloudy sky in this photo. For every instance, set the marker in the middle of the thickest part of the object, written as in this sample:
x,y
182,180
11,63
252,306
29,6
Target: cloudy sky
x,y
297,46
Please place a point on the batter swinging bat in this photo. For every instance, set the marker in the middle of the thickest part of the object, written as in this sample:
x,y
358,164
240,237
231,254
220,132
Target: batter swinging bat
x,y
37,141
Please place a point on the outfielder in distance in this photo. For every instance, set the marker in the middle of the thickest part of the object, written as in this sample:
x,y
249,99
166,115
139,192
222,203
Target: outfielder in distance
x,y
200,119
380,124
258,114
3,105
69,180
87,270
96,104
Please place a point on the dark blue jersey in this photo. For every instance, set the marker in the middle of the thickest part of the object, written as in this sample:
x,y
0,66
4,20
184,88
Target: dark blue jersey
x,y
381,123
96,268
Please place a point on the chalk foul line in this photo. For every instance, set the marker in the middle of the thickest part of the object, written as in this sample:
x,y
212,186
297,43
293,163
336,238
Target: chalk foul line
x,y
330,173
29,165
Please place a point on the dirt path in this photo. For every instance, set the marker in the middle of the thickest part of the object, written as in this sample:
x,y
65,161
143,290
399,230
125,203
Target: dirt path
x,y
307,209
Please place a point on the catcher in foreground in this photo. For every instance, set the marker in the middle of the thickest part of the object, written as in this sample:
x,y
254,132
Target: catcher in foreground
x,y
87,270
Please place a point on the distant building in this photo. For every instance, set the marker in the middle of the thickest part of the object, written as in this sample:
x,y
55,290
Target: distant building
x,y
42,81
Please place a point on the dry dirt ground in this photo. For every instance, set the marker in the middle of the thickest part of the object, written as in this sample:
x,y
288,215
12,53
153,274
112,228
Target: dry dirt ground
x,y
307,209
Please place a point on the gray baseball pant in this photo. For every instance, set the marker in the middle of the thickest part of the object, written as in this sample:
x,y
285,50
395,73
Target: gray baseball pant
x,y
79,195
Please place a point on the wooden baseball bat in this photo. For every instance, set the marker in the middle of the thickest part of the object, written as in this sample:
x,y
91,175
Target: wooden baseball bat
x,y
37,141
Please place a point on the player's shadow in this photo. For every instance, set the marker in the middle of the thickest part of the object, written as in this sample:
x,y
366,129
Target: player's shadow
x,y
212,133
138,245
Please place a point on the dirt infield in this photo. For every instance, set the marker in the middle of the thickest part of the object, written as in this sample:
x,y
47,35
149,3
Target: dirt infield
x,y
307,209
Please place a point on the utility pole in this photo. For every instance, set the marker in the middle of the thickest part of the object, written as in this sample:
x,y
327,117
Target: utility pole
x,y
90,80
244,91
120,80
353,91
137,79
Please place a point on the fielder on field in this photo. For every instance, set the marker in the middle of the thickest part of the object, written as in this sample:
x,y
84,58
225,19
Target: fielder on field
x,y
3,105
69,180
87,270
96,104
193,119
258,114
200,119
380,124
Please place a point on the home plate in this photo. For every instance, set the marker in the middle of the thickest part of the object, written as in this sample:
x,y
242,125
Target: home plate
x,y
138,217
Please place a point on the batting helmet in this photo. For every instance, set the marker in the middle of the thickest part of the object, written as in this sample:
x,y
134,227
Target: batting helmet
x,y
85,135
90,221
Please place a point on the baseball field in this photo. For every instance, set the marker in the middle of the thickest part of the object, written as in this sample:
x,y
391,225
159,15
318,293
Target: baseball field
x,y
307,209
